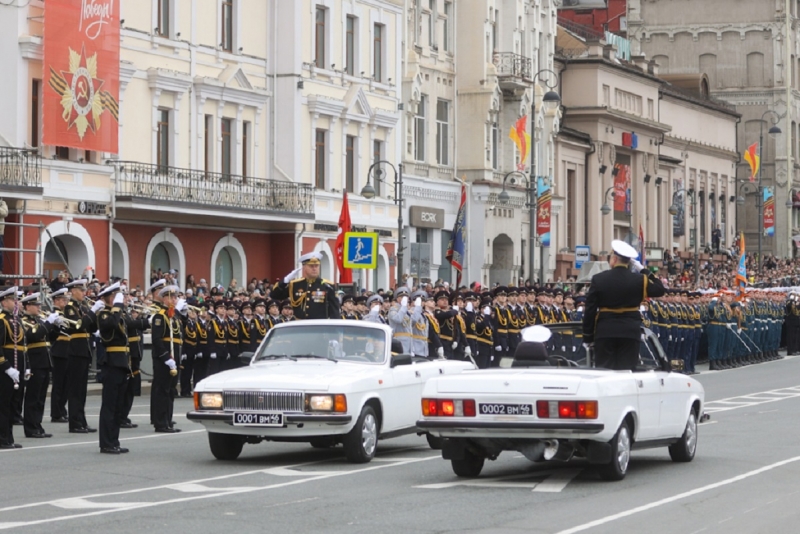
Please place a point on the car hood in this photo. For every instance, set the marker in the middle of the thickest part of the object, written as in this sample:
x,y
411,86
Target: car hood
x,y
317,375
532,381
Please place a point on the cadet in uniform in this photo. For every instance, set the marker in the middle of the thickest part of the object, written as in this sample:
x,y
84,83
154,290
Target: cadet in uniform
x,y
133,386
12,363
419,326
167,343
189,353
59,351
82,324
400,319
232,326
311,297
435,345
612,320
38,336
217,339
500,325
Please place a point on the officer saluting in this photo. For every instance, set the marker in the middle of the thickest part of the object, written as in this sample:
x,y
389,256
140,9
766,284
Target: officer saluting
x,y
310,296
612,321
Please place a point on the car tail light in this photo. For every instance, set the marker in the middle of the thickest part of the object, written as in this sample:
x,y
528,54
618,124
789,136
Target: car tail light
x,y
566,409
448,407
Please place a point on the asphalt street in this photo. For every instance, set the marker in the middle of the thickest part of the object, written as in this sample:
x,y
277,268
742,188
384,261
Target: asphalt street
x,y
743,480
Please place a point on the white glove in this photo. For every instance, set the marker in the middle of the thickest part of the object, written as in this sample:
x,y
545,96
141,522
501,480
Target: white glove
x,y
183,357
404,301
98,305
13,373
171,364
588,346
455,344
498,348
469,307
487,310
53,318
468,351
292,275
28,374
375,308
455,307
440,352
418,302
213,355
182,307
198,356
635,266
119,298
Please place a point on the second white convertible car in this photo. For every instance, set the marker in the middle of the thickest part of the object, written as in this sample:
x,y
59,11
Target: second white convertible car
x,y
322,382
549,408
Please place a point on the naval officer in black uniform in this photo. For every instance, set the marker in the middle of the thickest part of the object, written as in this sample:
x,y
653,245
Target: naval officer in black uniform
x,y
612,321
311,297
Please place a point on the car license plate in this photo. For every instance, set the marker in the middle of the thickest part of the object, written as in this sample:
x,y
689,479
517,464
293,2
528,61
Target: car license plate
x,y
258,419
506,409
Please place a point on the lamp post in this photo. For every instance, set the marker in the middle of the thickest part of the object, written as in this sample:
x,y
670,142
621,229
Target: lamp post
x,y
368,192
773,131
673,210
531,204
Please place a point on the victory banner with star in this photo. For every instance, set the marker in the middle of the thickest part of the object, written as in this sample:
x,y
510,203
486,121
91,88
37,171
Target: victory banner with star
x,y
81,74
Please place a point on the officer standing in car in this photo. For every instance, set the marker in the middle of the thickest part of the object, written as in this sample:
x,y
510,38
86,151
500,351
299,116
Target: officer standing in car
x,y
311,297
612,322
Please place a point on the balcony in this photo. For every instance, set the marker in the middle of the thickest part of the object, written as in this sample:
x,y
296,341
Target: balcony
x,y
513,70
20,172
174,187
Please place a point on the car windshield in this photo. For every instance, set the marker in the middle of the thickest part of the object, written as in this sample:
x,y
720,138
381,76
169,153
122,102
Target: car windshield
x,y
360,344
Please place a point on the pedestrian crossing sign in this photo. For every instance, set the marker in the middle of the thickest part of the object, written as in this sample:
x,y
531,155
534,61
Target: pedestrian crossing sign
x,y
360,250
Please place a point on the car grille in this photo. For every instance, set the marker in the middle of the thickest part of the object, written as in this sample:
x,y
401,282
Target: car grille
x,y
278,401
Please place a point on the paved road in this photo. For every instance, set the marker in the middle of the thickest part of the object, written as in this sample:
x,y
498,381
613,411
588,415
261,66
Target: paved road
x,y
743,480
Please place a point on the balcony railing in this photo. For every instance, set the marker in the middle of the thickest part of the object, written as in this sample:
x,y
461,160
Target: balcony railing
x,y
171,185
20,169
513,65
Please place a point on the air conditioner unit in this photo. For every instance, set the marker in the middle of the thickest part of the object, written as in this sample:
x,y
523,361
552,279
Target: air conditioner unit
x,y
584,4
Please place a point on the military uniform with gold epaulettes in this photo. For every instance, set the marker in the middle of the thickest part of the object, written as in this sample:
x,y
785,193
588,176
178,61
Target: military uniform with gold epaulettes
x,y
258,330
500,325
447,330
232,361
167,345
514,329
434,333
200,366
133,387
485,337
83,323
38,337
59,351
188,354
245,341
310,299
217,344
12,341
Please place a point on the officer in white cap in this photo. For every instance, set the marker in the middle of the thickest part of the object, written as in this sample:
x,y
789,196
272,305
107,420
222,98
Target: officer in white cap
x,y
12,363
612,321
310,296
82,324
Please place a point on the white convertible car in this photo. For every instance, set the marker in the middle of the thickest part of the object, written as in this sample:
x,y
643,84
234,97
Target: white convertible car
x,y
548,407
321,382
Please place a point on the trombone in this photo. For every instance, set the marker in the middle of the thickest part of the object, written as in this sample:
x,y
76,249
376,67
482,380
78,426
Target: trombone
x,y
71,322
141,308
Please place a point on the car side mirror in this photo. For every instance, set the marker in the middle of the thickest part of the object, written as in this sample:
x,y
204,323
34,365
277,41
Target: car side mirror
x,y
401,359
245,357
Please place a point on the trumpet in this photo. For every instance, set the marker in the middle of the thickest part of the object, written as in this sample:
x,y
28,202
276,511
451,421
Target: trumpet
x,y
141,308
195,308
71,322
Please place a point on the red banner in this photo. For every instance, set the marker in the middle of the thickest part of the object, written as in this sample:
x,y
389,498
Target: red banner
x,y
81,74
622,187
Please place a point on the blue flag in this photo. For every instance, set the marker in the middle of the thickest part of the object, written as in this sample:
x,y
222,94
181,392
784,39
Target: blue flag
x,y
456,248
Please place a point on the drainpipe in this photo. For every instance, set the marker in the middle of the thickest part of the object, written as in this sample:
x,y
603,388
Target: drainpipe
x,y
111,218
586,189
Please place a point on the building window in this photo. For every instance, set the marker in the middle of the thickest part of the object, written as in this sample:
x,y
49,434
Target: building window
x,y
208,132
423,235
495,146
36,86
163,15
377,53
350,46
350,163
245,147
319,38
162,143
419,129
62,152
226,147
702,219
443,132
377,155
227,25
448,21
432,24
319,169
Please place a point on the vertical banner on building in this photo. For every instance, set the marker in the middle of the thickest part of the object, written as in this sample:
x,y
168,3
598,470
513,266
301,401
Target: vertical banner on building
x,y
679,219
456,248
545,198
769,211
81,74
622,188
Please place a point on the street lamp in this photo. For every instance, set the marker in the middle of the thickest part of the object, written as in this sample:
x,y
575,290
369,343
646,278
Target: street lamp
x,y
673,210
605,209
368,192
531,204
773,131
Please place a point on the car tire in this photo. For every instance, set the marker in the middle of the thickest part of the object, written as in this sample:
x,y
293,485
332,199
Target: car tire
x,y
323,443
362,441
617,468
468,467
225,446
684,450
434,442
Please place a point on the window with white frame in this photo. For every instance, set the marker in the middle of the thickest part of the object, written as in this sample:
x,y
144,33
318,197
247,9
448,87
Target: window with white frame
x,y
351,45
320,147
350,163
208,149
442,132
226,156
163,16
320,35
432,24
447,27
419,128
245,148
227,25
162,141
495,147
377,52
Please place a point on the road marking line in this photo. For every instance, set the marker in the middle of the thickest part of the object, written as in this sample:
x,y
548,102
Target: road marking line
x,y
678,497
286,472
96,442
83,504
558,481
222,493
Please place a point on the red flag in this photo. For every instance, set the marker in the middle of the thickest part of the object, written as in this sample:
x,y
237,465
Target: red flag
x,y
345,275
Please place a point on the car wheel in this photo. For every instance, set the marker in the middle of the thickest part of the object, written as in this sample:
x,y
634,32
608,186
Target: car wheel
x,y
323,443
225,446
620,455
468,467
360,443
683,450
434,442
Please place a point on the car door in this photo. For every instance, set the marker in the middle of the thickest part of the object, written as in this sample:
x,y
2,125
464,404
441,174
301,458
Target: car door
x,y
649,384
401,406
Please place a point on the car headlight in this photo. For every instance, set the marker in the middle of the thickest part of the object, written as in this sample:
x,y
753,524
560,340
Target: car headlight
x,y
326,403
210,400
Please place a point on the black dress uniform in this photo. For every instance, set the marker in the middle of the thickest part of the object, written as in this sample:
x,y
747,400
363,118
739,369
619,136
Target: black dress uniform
x,y
133,387
217,342
232,360
310,299
12,341
59,351
612,319
38,336
83,323
167,341
190,340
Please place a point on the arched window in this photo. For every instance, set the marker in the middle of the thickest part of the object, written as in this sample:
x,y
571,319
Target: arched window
x,y
160,259
755,69
223,270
